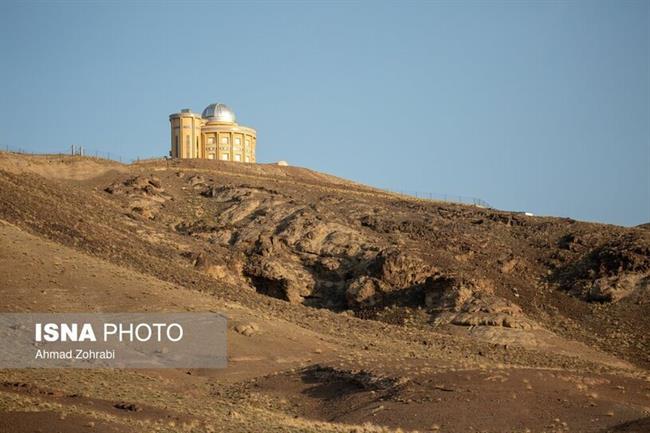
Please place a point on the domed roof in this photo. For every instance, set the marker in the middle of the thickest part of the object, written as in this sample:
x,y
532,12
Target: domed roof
x,y
219,113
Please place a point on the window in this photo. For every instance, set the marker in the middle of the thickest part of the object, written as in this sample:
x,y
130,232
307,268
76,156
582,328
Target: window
x,y
237,140
225,139
224,157
247,158
237,157
211,140
210,155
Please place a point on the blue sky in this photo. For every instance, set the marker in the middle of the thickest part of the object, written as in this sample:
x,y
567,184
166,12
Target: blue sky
x,y
535,106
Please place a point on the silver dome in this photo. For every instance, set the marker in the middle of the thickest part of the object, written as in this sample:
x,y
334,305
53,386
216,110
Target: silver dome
x,y
219,113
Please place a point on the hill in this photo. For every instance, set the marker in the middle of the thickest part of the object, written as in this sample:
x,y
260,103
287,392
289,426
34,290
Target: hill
x,y
350,307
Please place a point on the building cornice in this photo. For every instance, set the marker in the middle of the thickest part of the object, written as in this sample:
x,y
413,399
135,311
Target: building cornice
x,y
227,127
178,115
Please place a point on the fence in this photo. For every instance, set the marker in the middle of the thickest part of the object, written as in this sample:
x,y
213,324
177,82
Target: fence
x,y
452,198
72,151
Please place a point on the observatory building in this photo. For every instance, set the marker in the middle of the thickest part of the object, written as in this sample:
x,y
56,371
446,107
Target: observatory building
x,y
212,135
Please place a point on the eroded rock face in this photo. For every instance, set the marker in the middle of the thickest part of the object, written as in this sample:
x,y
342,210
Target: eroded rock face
x,y
221,267
151,185
489,310
400,270
144,193
444,293
296,253
293,251
613,289
471,303
365,291
283,279
388,273
609,272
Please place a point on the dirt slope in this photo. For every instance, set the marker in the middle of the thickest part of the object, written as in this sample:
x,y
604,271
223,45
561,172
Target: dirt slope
x,y
360,306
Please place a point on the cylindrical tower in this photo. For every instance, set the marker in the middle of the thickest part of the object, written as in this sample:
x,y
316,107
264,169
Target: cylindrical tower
x,y
186,135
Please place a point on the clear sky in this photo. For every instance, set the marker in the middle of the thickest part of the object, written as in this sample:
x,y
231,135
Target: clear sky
x,y
535,106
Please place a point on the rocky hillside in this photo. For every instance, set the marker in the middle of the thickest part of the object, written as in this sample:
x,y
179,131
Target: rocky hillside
x,y
467,285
